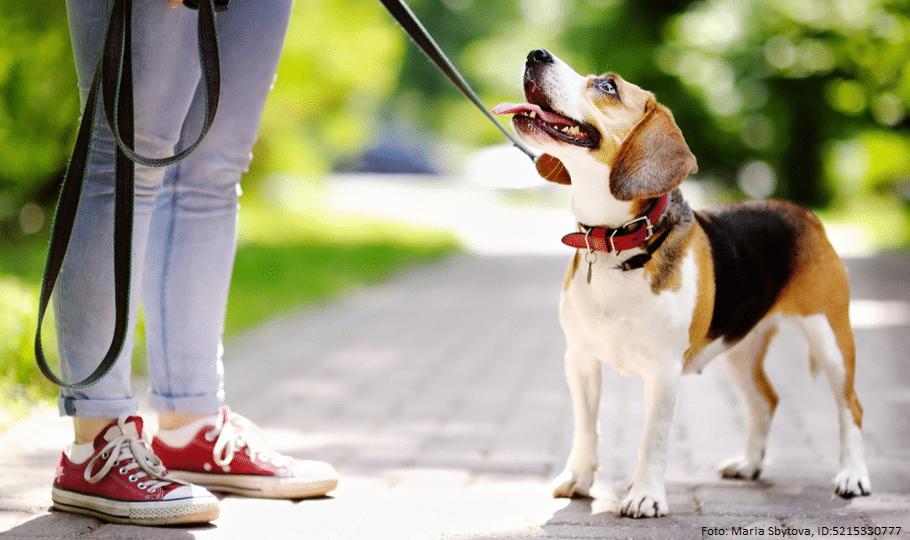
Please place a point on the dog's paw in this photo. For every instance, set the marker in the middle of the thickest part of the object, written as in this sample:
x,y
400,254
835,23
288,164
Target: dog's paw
x,y
853,483
741,468
644,505
573,485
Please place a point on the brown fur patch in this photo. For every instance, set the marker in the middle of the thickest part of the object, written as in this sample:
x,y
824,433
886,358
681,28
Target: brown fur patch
x,y
639,207
818,285
664,268
616,116
570,273
704,303
654,159
761,378
821,285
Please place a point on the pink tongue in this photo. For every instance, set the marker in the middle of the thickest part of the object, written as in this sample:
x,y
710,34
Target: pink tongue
x,y
515,108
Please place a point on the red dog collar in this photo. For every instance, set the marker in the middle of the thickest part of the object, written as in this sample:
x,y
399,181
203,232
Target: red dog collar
x,y
618,239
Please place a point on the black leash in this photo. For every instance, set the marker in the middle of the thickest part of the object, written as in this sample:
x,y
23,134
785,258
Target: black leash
x,y
114,79
421,37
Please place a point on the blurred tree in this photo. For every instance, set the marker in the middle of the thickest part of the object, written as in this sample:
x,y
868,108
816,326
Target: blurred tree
x,y
39,105
761,88
781,80
341,61
340,64
806,100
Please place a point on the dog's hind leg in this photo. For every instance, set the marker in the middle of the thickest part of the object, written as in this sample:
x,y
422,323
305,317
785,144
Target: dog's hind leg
x,y
584,377
831,346
746,364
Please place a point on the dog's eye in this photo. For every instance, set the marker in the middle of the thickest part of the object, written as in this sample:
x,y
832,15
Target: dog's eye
x,y
607,86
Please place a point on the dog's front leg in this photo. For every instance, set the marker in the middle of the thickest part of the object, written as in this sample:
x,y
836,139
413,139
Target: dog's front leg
x,y
647,494
584,378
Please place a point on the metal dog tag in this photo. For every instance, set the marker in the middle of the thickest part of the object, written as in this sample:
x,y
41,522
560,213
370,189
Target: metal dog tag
x,y
590,255
590,258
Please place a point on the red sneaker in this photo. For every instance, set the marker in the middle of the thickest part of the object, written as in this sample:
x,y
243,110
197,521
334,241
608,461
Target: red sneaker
x,y
123,482
228,454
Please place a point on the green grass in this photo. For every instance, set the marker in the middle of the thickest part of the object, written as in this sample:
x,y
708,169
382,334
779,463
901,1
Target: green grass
x,y
21,384
878,222
286,260
290,259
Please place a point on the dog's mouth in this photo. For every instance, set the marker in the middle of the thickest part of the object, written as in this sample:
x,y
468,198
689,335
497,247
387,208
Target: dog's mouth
x,y
538,115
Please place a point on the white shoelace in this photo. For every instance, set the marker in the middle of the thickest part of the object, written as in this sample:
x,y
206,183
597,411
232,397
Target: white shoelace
x,y
238,433
135,454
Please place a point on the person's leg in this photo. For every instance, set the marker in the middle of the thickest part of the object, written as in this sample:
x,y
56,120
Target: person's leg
x,y
193,235
190,258
110,471
166,78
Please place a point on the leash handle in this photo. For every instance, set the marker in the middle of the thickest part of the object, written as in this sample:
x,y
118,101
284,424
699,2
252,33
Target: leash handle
x,y
113,74
117,74
406,18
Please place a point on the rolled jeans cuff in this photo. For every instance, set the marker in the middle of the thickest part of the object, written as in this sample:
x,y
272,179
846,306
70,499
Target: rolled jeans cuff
x,y
96,408
202,404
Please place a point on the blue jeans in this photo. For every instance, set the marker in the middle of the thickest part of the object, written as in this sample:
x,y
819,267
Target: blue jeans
x,y
185,225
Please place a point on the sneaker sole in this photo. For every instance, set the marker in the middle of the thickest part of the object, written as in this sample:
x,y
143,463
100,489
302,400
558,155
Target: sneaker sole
x,y
176,512
251,485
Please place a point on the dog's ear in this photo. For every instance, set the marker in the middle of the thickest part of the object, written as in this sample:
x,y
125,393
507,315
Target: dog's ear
x,y
553,170
653,159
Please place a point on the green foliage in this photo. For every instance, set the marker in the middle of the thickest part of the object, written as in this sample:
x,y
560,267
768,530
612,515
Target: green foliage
x,y
768,82
20,381
292,258
339,64
17,329
39,100
779,80
271,279
762,88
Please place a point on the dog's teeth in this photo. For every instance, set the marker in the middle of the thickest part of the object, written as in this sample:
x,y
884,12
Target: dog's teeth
x,y
533,114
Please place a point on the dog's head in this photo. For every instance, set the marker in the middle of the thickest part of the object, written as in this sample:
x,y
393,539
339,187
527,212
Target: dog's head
x,y
600,125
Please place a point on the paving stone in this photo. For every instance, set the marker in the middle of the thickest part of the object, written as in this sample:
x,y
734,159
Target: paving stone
x,y
441,399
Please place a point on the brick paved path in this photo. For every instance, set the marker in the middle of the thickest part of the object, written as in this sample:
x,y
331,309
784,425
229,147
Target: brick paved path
x,y
440,398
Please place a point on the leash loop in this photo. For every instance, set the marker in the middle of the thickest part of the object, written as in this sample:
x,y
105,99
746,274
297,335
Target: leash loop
x,y
113,73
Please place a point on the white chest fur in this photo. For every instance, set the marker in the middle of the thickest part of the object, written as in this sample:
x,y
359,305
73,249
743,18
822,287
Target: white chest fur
x,y
619,320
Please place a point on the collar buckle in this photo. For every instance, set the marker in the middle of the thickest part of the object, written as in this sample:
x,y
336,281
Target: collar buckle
x,y
647,224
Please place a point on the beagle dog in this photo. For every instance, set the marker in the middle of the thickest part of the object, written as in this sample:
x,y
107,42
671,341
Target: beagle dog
x,y
657,290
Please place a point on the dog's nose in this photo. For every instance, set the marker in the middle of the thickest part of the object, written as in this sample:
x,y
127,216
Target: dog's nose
x,y
539,56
